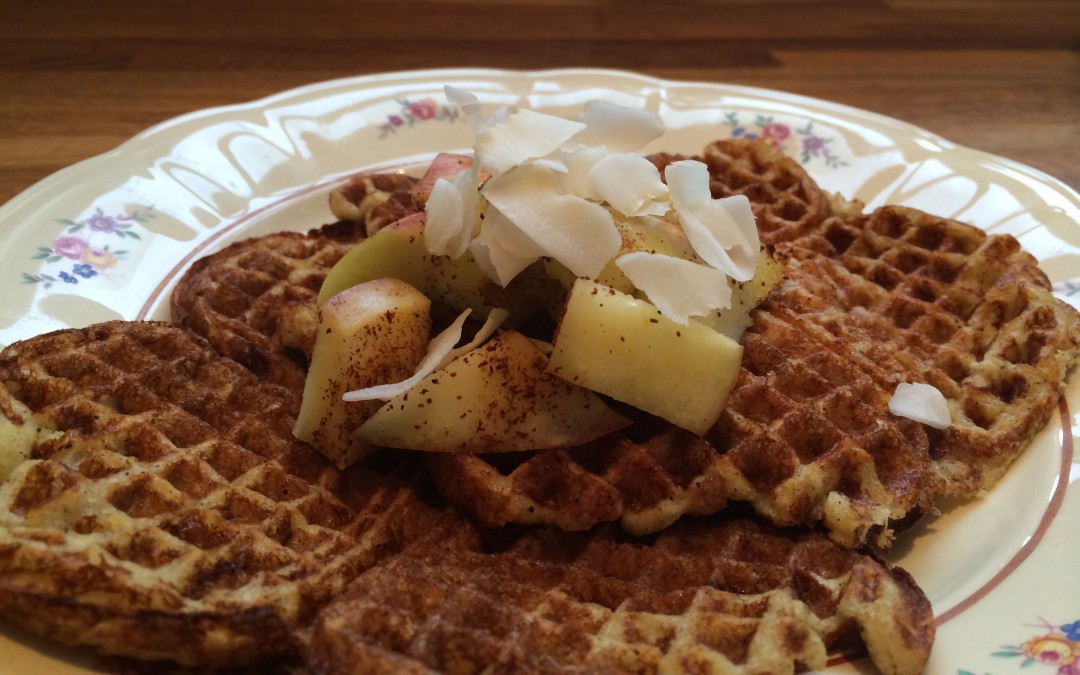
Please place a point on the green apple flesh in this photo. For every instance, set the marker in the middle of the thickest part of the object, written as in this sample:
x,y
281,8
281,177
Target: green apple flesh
x,y
372,333
617,345
398,251
745,296
496,398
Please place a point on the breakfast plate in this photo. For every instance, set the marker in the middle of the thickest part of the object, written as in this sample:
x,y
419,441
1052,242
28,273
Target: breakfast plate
x,y
107,238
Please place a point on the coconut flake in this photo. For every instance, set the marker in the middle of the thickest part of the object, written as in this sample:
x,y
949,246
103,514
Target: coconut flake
x,y
523,136
630,184
576,232
921,402
470,107
679,288
619,128
501,249
579,162
722,231
451,214
496,317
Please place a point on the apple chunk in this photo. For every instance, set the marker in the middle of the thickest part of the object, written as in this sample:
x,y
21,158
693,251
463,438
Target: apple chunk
x,y
398,250
617,345
745,296
496,398
372,333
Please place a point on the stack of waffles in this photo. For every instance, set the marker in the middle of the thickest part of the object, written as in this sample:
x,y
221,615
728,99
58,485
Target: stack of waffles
x,y
156,505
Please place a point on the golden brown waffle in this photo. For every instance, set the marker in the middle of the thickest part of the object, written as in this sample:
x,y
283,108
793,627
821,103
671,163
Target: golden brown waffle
x,y
155,504
255,300
786,201
807,437
912,297
375,200
718,596
870,301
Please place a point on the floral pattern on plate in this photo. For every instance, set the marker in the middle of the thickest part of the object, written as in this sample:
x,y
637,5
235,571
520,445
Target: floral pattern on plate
x,y
412,113
1057,647
802,142
78,253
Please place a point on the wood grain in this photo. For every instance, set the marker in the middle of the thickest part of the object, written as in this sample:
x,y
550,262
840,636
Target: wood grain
x,y
79,78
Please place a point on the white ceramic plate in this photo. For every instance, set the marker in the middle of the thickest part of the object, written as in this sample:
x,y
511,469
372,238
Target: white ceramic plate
x,y
108,237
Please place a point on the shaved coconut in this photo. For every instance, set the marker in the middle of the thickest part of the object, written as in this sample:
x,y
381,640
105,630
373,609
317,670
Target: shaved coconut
x,y
620,128
722,231
556,165
578,163
630,184
495,318
501,249
523,136
922,403
679,288
470,107
578,233
451,214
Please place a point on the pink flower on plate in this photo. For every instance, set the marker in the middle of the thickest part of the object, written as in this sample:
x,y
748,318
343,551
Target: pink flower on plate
x,y
775,132
98,258
69,247
423,110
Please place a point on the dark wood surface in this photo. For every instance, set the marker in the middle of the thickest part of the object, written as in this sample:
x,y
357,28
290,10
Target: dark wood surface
x,y
78,78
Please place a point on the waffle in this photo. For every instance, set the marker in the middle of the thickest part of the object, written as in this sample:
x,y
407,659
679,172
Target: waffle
x,y
255,300
926,299
786,201
869,301
155,504
721,596
376,200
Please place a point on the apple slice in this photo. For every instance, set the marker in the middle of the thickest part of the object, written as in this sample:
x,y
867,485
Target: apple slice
x,y
496,398
617,345
446,165
745,296
371,333
398,251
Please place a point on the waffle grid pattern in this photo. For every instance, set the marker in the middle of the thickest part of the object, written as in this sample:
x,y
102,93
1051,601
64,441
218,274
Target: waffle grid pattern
x,y
375,200
869,301
729,598
165,484
255,300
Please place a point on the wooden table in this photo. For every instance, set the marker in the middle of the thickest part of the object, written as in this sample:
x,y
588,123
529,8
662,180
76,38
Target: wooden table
x,y
78,78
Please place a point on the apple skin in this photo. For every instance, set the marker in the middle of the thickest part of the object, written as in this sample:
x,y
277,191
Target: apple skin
x,y
620,346
398,251
496,398
372,333
445,165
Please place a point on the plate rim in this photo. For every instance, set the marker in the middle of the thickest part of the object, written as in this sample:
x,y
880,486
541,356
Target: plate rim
x,y
207,114
456,72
